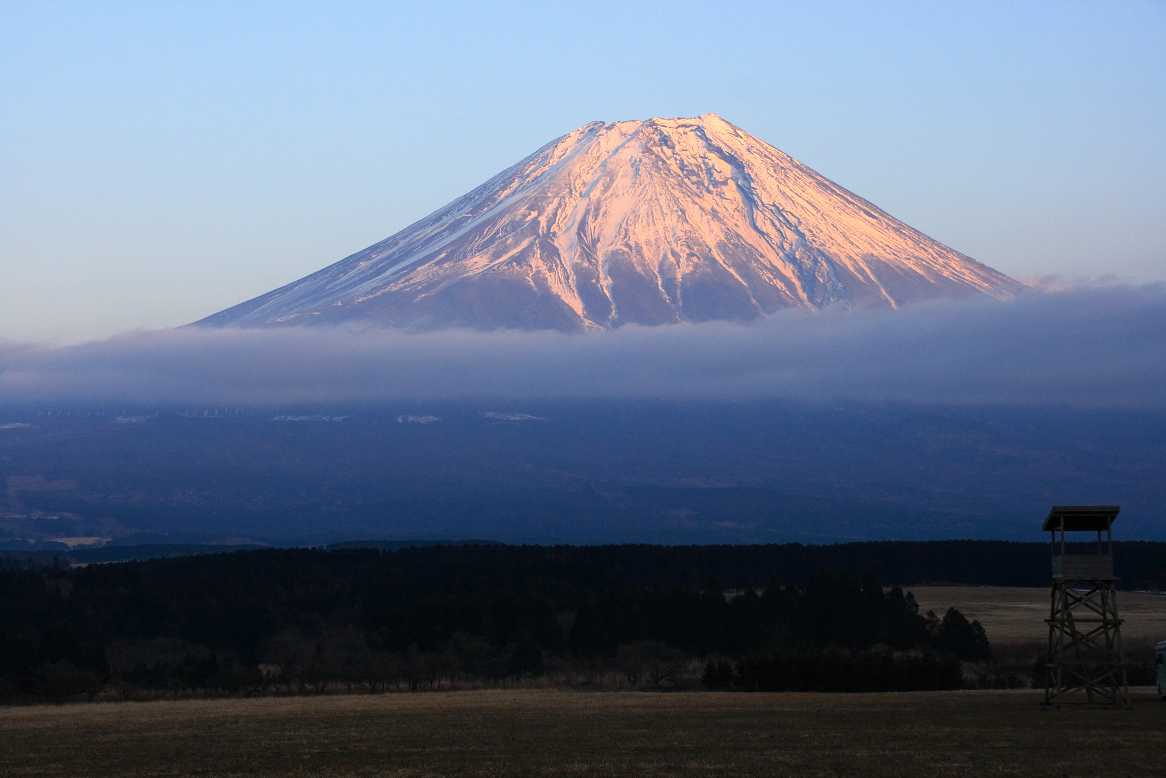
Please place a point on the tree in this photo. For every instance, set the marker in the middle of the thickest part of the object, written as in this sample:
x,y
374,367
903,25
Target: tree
x,y
967,640
718,675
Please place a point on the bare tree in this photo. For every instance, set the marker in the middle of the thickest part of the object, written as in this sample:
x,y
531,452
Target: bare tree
x,y
658,662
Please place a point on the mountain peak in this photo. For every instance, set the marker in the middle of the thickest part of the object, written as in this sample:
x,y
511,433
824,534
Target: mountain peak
x,y
650,222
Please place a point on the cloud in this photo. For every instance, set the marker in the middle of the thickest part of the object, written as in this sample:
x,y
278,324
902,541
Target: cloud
x,y
1102,346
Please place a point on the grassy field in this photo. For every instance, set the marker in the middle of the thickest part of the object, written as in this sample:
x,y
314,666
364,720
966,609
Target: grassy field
x,y
1016,615
540,733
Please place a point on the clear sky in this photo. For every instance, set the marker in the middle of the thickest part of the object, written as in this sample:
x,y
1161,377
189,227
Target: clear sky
x,y
162,161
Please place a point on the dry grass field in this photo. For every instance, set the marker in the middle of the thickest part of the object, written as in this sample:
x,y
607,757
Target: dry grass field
x,y
1016,615
542,733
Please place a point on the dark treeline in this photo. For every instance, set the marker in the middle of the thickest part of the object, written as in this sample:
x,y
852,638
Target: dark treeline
x,y
837,670
1139,564
308,619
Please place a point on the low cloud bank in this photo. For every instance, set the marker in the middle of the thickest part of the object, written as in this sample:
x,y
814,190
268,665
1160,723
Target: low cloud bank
x,y
1090,347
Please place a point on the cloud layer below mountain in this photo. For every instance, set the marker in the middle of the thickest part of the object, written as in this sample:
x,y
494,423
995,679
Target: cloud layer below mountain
x,y
1096,347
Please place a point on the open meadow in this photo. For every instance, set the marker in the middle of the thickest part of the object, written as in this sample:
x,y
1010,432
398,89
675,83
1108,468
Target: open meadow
x,y
1012,614
537,733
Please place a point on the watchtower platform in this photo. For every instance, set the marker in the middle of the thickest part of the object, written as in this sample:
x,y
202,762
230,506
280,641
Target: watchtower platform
x,y
1085,662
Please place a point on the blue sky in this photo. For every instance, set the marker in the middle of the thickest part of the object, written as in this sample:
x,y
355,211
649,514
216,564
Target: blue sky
x,y
162,161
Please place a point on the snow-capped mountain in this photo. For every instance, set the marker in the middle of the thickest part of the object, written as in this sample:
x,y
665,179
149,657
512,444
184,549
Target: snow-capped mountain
x,y
651,222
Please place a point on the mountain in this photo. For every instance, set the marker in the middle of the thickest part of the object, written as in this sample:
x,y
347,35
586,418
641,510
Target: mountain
x,y
646,222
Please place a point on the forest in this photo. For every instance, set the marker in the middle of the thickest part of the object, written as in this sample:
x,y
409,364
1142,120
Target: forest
x,y
314,620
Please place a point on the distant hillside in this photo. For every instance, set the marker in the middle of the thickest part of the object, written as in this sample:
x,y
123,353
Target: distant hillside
x,y
584,472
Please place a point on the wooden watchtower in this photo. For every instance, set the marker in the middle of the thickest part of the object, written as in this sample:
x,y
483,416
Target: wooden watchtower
x,y
1085,662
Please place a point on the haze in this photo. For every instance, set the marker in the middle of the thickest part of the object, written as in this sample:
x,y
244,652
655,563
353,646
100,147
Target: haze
x,y
1090,348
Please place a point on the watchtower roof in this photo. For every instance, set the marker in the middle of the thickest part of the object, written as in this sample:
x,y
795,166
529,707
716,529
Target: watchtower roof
x,y
1081,518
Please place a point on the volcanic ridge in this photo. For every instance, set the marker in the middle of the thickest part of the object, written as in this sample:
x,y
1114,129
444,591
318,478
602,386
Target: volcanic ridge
x,y
645,222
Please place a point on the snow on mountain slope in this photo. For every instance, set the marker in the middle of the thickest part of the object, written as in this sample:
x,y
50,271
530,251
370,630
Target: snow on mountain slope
x,y
651,222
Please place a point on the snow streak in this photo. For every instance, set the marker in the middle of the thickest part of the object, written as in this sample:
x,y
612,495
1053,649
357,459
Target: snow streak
x,y
639,222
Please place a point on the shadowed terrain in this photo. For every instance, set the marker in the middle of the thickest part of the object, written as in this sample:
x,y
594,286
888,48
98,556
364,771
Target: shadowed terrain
x,y
574,472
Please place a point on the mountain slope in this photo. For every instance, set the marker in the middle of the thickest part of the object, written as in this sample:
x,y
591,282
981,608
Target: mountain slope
x,y
648,222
